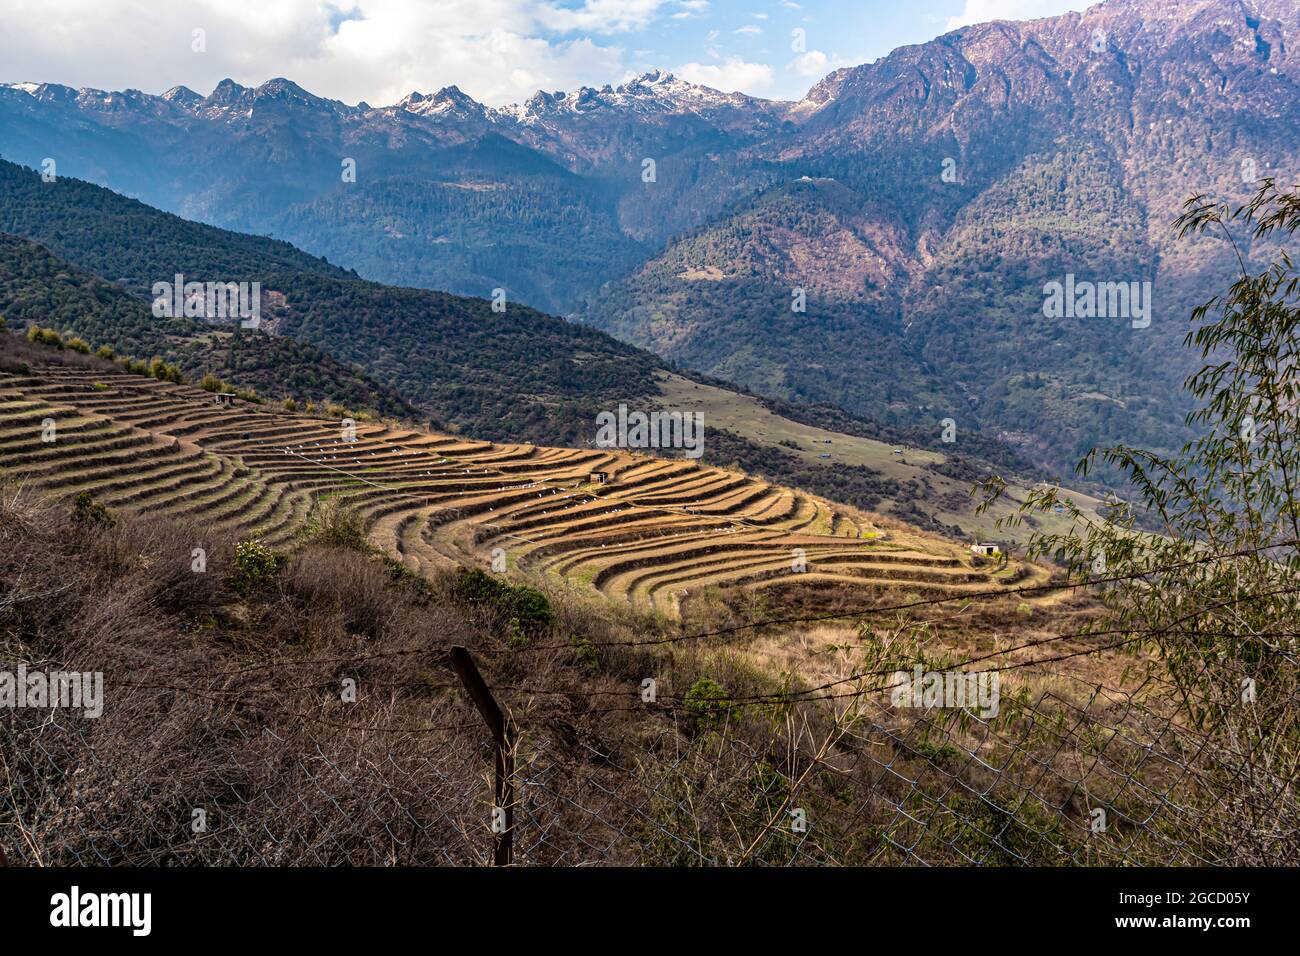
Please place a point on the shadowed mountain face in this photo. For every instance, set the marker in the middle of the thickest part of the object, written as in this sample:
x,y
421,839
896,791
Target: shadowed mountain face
x,y
90,260
39,289
516,375
921,203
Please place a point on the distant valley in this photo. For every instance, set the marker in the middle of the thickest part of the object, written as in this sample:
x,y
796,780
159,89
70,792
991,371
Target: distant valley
x,y
81,260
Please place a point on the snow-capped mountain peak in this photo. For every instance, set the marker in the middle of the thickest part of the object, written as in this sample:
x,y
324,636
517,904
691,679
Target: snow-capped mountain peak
x,y
183,97
450,101
655,91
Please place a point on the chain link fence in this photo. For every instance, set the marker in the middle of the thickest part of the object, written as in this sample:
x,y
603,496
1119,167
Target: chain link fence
x,y
1075,773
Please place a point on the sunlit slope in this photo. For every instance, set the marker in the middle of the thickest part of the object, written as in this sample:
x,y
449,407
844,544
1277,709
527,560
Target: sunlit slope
x,y
649,533
947,499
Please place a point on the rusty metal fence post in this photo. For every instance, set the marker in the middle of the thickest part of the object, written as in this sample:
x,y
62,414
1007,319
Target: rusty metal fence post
x,y
503,739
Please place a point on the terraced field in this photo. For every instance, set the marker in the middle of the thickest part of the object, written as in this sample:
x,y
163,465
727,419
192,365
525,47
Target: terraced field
x,y
632,527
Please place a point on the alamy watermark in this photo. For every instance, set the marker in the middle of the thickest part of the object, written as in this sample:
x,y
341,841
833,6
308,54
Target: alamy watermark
x,y
209,300
133,911
973,690
656,429
53,690
1084,299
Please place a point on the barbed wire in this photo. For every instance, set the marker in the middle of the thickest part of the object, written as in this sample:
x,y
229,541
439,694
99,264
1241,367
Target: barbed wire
x,y
597,808
829,774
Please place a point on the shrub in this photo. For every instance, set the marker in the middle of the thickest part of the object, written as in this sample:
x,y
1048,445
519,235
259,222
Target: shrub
x,y
587,656
104,352
334,526
515,636
256,566
526,609
78,345
41,336
210,383
532,611
89,513
707,701
400,573
165,371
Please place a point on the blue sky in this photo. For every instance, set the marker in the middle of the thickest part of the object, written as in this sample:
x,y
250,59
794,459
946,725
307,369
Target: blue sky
x,y
499,51
750,45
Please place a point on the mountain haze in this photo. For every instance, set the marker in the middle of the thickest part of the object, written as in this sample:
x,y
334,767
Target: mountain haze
x,y
921,202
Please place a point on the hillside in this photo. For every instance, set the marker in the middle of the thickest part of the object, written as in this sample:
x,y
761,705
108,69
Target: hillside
x,y
906,476
644,530
516,375
225,694
39,289
446,233
723,300
254,682
941,188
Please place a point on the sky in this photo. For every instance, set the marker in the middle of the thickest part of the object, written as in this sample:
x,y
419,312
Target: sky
x,y
498,51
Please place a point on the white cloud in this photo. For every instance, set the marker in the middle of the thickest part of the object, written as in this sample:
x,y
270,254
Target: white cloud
x,y
599,16
982,11
815,64
749,30
731,75
496,50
